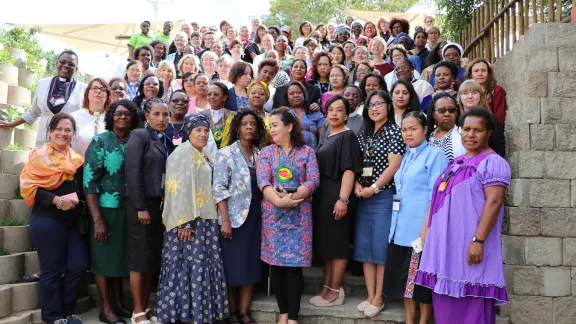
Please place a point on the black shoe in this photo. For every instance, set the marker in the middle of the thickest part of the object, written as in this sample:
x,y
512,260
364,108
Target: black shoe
x,y
103,319
31,278
73,319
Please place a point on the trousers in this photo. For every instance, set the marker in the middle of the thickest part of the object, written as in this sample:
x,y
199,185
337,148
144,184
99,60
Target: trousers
x,y
288,286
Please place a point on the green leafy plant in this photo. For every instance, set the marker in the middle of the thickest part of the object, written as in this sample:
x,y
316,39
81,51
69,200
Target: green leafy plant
x,y
4,252
17,194
31,64
24,39
6,57
9,221
13,147
10,114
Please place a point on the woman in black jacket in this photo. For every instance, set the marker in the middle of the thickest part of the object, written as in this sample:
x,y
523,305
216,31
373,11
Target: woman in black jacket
x,y
146,151
298,73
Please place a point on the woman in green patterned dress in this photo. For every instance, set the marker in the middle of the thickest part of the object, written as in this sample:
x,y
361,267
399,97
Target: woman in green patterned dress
x,y
104,186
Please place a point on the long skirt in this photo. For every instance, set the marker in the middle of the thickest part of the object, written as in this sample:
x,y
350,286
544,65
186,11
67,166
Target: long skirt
x,y
450,310
192,286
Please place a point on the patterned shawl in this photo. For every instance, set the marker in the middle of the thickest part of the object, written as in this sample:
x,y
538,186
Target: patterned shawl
x,y
47,168
188,187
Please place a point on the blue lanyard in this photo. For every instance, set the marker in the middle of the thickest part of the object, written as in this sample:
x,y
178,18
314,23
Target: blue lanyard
x,y
164,137
320,87
405,166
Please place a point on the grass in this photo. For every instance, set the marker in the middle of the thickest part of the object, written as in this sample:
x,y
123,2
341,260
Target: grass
x,y
4,172
17,194
4,252
9,221
14,148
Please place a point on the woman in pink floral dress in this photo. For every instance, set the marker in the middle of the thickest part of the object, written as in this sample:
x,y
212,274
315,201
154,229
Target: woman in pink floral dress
x,y
288,176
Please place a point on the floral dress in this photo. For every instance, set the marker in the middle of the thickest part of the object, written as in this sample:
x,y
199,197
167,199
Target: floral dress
x,y
287,232
104,176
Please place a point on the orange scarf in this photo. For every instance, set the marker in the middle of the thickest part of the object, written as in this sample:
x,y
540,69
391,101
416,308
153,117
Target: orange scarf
x,y
47,168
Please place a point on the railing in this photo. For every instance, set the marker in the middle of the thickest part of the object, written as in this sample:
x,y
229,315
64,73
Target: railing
x,y
498,24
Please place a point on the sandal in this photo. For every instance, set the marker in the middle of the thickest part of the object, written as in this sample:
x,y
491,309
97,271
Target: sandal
x,y
316,299
31,278
247,315
237,321
153,319
135,316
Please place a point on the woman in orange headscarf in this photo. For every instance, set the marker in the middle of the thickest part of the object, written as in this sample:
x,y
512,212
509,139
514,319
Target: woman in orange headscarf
x,y
49,185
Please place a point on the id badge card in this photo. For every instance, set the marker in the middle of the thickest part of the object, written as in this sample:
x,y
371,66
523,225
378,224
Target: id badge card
x,y
58,101
177,141
163,180
367,171
396,203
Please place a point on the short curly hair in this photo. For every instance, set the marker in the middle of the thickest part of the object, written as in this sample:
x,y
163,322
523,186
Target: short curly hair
x,y
317,57
403,22
260,137
109,116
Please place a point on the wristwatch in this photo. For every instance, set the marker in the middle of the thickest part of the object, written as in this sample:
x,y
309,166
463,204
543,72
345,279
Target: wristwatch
x,y
344,200
477,240
376,189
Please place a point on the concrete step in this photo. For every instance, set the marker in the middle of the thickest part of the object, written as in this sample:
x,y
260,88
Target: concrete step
x,y
16,239
313,281
34,316
14,266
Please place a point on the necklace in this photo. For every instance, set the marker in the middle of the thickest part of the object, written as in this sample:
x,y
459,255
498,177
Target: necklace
x,y
96,115
285,173
251,162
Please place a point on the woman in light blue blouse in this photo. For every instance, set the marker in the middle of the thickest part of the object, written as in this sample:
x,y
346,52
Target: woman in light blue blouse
x,y
421,165
236,192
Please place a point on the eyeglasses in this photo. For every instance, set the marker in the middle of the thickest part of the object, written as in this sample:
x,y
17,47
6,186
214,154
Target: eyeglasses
x,y
96,89
451,55
442,111
118,89
154,84
316,36
377,105
187,80
122,113
364,71
184,101
68,64
397,56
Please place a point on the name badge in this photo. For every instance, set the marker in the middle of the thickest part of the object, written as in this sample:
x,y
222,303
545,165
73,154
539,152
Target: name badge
x,y
367,171
396,203
58,101
163,179
177,141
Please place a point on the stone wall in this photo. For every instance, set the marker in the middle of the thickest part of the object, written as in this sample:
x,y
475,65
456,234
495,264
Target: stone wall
x,y
539,240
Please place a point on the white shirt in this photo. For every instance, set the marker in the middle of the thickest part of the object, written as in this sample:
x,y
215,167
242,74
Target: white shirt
x,y
86,129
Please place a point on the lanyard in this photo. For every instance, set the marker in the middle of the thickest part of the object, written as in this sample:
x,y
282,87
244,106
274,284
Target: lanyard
x,y
368,141
96,122
405,166
133,89
164,137
287,157
65,89
320,87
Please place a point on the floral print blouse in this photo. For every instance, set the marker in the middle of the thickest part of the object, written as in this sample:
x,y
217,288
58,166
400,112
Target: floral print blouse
x,y
104,170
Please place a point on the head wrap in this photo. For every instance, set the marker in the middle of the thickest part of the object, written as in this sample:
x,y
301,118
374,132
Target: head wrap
x,y
356,22
402,35
342,29
261,84
285,29
192,121
451,44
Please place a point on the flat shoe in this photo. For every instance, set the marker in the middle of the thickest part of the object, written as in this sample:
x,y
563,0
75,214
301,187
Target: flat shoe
x,y
372,310
314,300
362,306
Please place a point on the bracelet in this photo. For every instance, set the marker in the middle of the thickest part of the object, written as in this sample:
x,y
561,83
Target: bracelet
x,y
375,188
344,200
60,203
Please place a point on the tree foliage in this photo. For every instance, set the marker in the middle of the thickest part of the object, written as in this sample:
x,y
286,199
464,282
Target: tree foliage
x,y
293,12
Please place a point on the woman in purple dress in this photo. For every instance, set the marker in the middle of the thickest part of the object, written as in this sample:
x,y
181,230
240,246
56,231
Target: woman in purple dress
x,y
465,270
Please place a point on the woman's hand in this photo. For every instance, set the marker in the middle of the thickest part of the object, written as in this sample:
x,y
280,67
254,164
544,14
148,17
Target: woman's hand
x,y
144,217
253,55
423,234
314,107
5,124
100,233
340,209
185,234
67,203
288,202
475,252
280,192
358,189
301,193
367,192
226,229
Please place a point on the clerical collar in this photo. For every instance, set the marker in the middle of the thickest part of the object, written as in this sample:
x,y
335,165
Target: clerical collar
x,y
418,148
63,79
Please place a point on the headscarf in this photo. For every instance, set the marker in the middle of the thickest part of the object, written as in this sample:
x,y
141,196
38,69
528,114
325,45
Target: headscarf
x,y
48,169
192,121
341,29
356,22
402,35
188,185
452,44
258,83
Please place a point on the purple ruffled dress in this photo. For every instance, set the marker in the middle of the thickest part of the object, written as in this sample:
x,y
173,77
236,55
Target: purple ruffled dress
x,y
462,293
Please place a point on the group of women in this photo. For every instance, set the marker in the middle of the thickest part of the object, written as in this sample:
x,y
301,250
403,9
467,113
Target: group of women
x,y
194,177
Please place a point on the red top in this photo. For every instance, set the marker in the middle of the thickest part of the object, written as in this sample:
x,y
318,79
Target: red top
x,y
384,68
497,104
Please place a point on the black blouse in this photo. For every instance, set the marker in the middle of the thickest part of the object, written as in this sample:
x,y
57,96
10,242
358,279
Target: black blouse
x,y
387,141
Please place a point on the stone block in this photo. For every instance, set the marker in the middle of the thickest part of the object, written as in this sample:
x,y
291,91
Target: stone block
x,y
8,184
566,62
565,137
564,310
543,59
11,268
5,301
560,84
569,251
523,221
20,210
573,272
25,296
535,36
514,250
531,163
573,193
259,316
560,165
557,281
517,137
543,251
16,239
530,112
549,193
538,85
559,222
527,281
509,277
518,193
541,137
4,208
31,262
557,110
13,161
559,35
532,309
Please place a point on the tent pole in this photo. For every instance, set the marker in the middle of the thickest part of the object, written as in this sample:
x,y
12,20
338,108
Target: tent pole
x,y
155,5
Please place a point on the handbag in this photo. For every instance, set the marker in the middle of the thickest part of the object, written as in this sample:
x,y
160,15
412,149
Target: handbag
x,y
83,218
